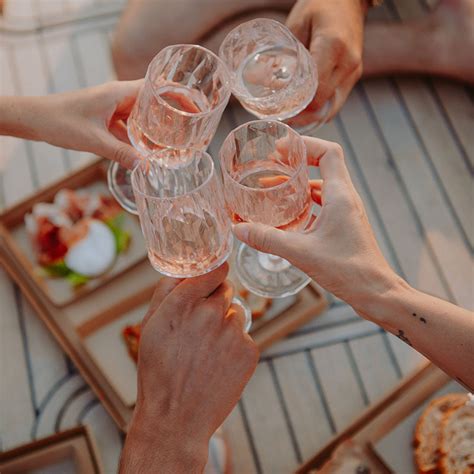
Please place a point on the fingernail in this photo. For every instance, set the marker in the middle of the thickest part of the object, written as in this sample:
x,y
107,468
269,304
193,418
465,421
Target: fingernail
x,y
241,231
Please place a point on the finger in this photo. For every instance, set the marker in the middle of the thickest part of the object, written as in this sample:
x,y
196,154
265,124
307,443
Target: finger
x,y
119,130
310,224
165,286
125,93
329,156
266,239
342,92
325,58
221,299
202,286
236,316
118,151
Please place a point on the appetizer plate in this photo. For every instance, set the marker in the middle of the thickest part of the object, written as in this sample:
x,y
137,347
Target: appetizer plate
x,y
58,290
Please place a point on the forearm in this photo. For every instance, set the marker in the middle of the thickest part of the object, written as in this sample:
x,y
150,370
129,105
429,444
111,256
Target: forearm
x,y
441,331
19,116
155,446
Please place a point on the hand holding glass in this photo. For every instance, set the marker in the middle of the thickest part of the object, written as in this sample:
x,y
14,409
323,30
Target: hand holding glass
x,y
182,214
266,180
185,92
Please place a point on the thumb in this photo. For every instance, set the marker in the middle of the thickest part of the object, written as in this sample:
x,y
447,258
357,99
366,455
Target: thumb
x,y
116,150
266,239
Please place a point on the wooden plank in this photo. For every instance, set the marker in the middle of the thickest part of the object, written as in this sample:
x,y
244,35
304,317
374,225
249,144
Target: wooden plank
x,y
17,416
46,422
16,174
383,184
452,172
95,68
377,372
267,423
48,161
48,363
106,434
303,401
240,449
320,338
408,358
339,383
437,223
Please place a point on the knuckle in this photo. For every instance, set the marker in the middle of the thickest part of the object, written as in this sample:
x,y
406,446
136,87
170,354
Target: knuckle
x,y
337,150
337,42
353,59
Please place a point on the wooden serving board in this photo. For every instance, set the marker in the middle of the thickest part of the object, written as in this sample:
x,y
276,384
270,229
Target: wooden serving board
x,y
73,450
58,290
381,419
89,329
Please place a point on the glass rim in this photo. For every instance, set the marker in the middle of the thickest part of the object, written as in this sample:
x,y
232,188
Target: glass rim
x,y
220,62
298,45
278,186
153,155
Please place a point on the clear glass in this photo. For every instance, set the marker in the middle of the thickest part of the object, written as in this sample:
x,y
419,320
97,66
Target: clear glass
x,y
181,210
273,75
265,177
186,90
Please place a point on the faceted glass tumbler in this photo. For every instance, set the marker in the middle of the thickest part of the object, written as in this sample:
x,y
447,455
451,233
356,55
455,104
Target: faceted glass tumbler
x,y
266,181
186,90
182,214
272,74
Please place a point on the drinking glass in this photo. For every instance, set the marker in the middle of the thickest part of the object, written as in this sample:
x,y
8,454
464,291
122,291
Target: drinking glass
x,y
186,90
182,214
272,74
265,177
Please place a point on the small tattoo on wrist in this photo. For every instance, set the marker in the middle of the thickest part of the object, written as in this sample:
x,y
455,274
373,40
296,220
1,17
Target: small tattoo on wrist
x,y
401,336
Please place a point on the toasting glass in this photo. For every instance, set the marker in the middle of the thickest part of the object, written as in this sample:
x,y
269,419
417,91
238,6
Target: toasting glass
x,y
186,90
182,214
266,180
273,75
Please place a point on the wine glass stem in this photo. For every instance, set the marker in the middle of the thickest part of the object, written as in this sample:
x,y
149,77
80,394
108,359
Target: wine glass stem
x,y
272,263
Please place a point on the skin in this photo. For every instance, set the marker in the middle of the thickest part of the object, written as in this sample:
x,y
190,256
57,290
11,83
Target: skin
x,y
334,34
340,253
194,361
91,120
331,30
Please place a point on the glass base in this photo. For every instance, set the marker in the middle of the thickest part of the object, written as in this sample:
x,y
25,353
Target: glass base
x,y
310,128
267,275
120,185
247,312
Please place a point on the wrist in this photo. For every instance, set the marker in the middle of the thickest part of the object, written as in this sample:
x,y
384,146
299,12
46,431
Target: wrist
x,y
378,301
157,444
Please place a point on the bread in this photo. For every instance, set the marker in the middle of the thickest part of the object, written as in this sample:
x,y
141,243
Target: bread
x,y
428,431
457,441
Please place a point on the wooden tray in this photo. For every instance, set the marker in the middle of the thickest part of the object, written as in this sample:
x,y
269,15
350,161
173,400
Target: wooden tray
x,y
380,419
82,327
58,290
68,451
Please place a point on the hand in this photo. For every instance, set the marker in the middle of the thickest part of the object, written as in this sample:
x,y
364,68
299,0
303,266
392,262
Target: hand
x,y
333,33
194,361
339,251
91,120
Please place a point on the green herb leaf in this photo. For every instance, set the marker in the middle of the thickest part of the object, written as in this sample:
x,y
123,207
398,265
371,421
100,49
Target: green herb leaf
x,y
59,269
76,279
122,237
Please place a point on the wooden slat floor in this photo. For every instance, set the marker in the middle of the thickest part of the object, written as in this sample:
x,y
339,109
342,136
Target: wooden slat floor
x,y
410,149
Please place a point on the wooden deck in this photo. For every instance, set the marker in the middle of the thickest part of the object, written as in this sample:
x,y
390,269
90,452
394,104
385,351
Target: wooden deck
x,y
409,145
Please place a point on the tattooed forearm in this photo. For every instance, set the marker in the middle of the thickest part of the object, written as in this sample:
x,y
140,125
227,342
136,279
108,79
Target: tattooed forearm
x,y
401,335
421,318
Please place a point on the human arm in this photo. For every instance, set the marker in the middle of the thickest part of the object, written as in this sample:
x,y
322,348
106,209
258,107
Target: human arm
x,y
194,361
333,32
340,252
91,120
